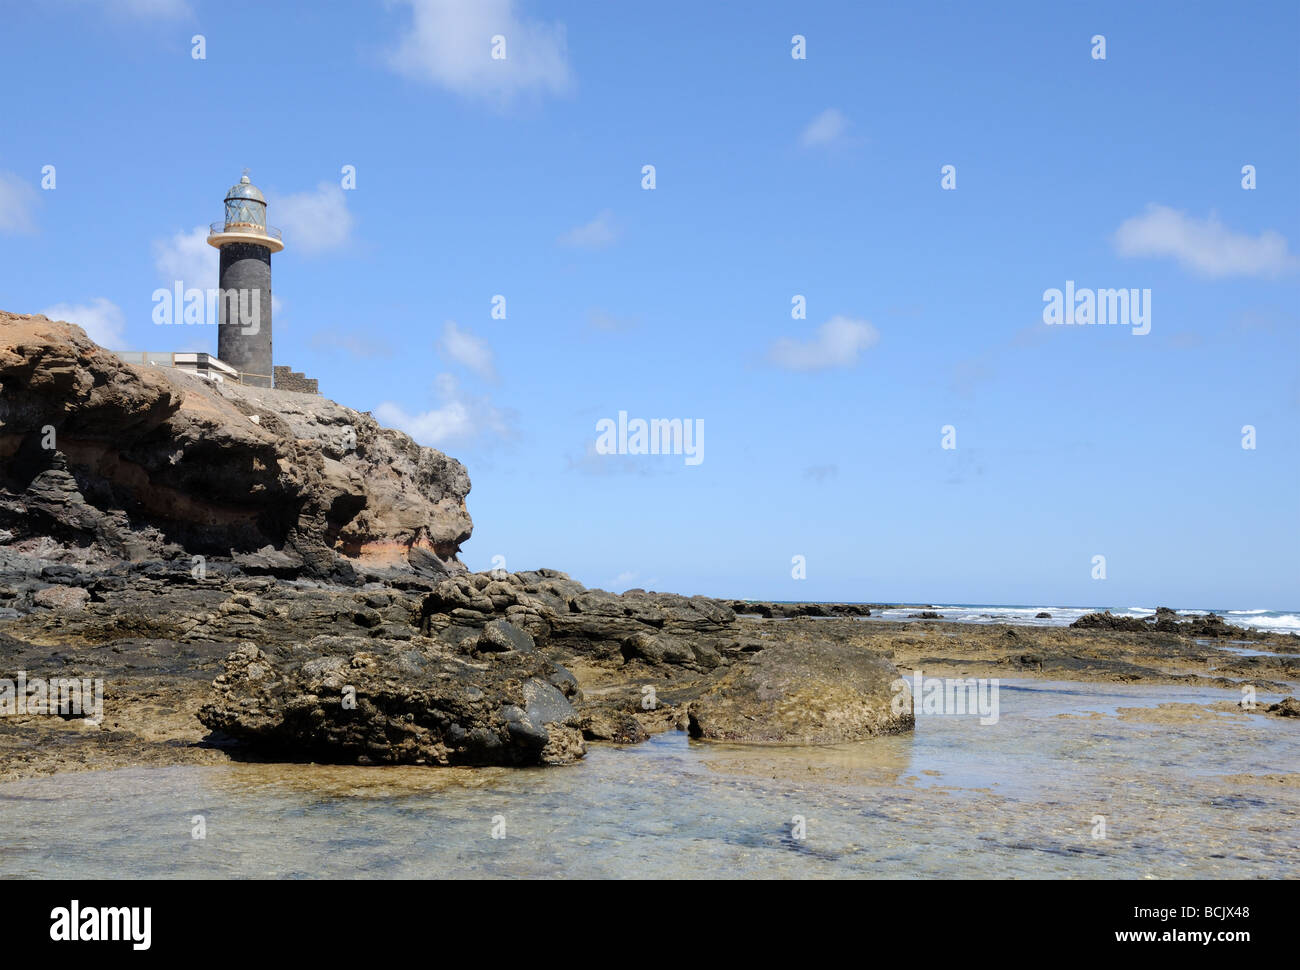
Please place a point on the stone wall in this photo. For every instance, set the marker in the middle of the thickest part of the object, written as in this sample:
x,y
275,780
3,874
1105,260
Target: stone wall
x,y
294,380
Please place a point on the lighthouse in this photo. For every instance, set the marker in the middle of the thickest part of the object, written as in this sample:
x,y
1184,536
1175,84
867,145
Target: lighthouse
x,y
246,243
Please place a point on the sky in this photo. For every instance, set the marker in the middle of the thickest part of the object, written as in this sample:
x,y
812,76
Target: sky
x,y
919,433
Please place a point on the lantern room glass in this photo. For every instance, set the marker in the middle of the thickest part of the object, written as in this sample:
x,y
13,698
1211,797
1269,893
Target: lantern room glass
x,y
245,212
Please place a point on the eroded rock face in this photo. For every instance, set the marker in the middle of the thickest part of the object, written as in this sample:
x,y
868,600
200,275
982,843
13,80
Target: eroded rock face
x,y
700,663
816,692
374,701
556,610
117,462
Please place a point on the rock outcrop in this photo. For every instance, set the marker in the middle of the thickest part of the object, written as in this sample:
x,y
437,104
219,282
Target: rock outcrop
x,y
153,522
110,461
374,701
811,692
788,611
1164,620
688,631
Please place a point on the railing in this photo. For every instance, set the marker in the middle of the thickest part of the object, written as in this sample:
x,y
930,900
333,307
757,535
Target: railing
x,y
220,228
167,358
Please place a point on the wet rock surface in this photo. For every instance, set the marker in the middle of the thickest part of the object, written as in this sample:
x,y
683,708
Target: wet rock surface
x,y
501,654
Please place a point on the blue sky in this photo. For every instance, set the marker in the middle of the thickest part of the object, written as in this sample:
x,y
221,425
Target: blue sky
x,y
774,176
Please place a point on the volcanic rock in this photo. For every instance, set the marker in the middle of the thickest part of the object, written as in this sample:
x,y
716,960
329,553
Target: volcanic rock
x,y
370,701
112,461
816,692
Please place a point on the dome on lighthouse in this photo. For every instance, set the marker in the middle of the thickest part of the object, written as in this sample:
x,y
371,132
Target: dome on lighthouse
x,y
244,189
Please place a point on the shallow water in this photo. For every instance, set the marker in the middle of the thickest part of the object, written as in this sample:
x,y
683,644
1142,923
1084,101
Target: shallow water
x,y
1016,798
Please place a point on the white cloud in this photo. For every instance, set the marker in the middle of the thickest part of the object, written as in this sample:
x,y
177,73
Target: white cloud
x,y
1206,246
18,201
459,417
449,43
187,257
313,221
837,344
828,128
462,347
597,234
101,319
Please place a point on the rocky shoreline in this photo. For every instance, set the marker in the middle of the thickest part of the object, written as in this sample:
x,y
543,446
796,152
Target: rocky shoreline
x,y
460,671
263,575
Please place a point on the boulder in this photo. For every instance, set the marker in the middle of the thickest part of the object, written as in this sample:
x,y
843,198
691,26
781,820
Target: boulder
x,y
373,701
804,692
61,597
1287,707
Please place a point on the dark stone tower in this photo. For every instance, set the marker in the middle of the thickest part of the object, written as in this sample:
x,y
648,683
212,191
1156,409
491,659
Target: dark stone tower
x,y
246,244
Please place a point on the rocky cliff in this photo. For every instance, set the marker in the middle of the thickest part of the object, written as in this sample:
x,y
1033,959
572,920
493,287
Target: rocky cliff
x,y
103,461
331,618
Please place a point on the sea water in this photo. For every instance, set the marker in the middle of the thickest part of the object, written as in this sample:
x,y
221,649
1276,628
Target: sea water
x,y
1075,780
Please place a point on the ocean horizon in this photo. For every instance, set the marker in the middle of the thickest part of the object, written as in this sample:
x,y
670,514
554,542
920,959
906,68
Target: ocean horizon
x,y
1269,621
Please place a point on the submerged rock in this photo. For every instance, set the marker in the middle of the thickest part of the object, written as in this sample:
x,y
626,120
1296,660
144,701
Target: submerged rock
x,y
803,693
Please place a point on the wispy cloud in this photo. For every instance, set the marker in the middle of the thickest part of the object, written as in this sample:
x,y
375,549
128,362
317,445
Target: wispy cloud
x,y
821,473
599,319
459,417
158,10
1205,246
449,43
837,343
154,9
101,318
186,256
592,462
18,201
829,128
597,234
313,221
363,345
462,347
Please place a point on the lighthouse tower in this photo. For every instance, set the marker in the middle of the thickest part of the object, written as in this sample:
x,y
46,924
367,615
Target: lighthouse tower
x,y
246,243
